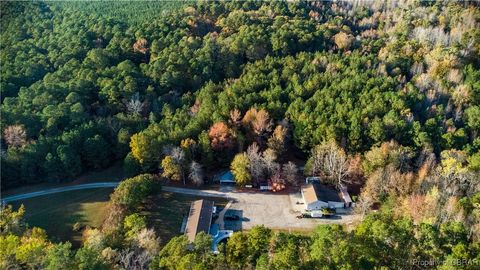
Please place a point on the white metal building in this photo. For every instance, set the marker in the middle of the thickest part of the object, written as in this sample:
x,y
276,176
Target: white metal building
x,y
317,196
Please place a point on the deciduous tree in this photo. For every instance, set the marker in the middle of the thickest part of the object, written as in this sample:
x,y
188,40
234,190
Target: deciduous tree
x,y
147,240
11,221
196,173
141,46
240,169
133,224
262,123
15,136
269,157
343,40
235,117
221,136
258,121
278,139
330,161
290,173
171,169
256,163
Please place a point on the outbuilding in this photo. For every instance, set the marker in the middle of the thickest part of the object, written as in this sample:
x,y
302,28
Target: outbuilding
x,y
226,178
312,180
199,218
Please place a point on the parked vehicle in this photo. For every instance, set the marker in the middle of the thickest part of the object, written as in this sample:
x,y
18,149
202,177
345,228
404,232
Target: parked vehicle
x,y
232,217
328,215
324,213
316,214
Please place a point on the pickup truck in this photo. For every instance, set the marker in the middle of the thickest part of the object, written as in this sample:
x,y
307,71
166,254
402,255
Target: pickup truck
x,y
324,213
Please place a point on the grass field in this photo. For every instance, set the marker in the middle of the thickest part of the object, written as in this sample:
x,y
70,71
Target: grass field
x,y
57,213
165,212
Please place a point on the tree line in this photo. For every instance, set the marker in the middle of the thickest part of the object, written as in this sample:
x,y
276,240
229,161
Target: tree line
x,y
380,240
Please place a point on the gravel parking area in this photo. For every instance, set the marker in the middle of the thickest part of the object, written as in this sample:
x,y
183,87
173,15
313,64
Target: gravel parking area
x,y
279,211
276,211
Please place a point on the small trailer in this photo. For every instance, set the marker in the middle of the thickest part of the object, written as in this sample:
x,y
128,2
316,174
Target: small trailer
x,y
265,188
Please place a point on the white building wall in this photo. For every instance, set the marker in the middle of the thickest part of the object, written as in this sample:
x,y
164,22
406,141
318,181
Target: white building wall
x,y
317,205
336,204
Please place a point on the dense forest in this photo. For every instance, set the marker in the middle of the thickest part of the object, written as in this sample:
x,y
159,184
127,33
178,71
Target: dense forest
x,y
77,84
393,88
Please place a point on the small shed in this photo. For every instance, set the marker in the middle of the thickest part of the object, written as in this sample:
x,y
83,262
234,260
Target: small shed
x,y
312,179
346,196
227,178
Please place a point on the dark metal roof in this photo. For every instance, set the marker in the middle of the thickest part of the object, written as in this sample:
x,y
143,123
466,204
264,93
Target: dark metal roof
x,y
199,218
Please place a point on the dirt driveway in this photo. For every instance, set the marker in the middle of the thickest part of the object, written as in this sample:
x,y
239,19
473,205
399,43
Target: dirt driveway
x,y
276,211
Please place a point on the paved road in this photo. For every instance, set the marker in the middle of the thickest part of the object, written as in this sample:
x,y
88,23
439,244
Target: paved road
x,y
57,190
198,192
207,193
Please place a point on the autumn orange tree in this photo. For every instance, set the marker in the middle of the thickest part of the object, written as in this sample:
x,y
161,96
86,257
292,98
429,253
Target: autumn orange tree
x,y
221,136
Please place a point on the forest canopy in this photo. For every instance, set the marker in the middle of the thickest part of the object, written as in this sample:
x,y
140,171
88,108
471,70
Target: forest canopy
x,y
79,80
383,96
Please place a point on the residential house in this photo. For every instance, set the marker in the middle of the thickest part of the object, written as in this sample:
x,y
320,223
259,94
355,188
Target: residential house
x,y
317,196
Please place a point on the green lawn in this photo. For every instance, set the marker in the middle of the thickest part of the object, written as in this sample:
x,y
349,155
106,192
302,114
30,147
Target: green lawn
x,y
165,212
57,213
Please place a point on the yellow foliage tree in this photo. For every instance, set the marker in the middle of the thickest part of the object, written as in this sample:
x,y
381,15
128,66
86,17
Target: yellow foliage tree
x,y
343,40
144,148
171,169
239,167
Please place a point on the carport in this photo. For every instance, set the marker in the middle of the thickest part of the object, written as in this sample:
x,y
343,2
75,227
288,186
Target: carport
x,y
227,178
